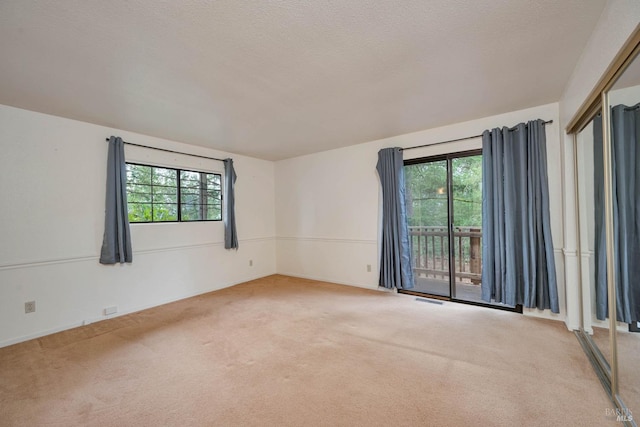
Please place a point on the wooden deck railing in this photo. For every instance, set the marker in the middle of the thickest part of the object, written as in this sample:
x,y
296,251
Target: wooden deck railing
x,y
430,251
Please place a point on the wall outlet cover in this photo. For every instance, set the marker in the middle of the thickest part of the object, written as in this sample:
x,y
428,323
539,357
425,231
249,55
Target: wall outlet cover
x,y
30,307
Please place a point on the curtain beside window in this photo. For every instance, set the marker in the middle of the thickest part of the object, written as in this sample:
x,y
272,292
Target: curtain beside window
x,y
395,261
625,177
116,242
518,265
230,232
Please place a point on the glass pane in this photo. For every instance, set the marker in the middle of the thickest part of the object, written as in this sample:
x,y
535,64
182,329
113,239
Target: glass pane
x,y
199,191
214,213
138,174
139,212
189,196
164,177
138,193
213,180
190,180
427,209
165,212
191,212
165,194
466,175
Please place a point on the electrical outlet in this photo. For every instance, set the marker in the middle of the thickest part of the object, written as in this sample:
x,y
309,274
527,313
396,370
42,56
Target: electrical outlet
x,y
369,268
110,310
250,263
30,307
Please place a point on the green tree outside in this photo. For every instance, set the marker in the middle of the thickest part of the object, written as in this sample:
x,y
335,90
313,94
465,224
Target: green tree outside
x,y
426,197
152,194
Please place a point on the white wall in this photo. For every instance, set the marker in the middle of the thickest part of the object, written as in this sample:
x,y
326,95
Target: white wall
x,y
618,20
52,182
328,204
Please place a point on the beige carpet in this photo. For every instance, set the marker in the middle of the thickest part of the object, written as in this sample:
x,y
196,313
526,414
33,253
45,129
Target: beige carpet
x,y
281,351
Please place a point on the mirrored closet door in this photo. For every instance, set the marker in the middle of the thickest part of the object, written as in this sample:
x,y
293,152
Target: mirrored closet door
x,y
624,129
607,165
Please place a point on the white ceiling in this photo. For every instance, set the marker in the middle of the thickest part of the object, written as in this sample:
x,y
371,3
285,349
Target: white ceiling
x,y
281,78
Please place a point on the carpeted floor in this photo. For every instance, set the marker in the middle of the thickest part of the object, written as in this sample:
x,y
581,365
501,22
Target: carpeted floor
x,y
281,351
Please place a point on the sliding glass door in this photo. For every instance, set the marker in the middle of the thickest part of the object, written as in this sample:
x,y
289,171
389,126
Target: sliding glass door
x,y
466,198
444,206
428,212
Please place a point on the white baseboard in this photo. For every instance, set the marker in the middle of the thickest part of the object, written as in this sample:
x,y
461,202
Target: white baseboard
x,y
329,280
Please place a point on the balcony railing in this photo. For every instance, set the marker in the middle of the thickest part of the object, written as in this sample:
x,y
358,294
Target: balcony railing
x,y
430,252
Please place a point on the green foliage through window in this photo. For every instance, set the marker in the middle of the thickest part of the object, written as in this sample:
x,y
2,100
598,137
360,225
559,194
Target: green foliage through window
x,y
426,197
157,194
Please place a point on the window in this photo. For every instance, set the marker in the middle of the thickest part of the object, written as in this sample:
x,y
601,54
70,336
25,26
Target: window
x,y
157,194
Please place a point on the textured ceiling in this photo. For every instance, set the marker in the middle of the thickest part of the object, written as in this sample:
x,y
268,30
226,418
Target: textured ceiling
x,y
281,78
